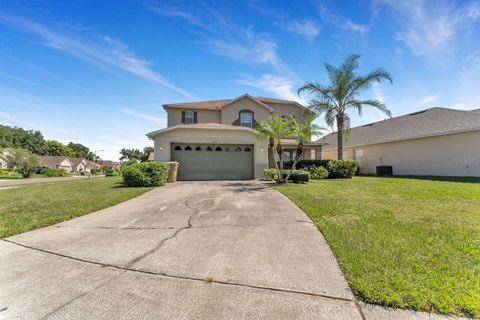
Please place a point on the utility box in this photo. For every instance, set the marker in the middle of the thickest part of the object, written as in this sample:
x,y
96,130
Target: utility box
x,y
172,172
384,171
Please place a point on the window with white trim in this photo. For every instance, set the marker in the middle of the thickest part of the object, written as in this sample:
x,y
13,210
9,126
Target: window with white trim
x,y
189,117
246,119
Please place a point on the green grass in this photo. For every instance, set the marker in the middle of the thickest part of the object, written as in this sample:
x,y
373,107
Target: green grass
x,y
37,205
19,176
402,242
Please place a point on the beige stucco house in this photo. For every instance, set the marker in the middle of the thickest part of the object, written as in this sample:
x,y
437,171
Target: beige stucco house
x,y
436,141
216,139
57,162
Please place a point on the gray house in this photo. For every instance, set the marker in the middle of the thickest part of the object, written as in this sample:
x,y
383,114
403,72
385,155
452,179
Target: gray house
x,y
436,141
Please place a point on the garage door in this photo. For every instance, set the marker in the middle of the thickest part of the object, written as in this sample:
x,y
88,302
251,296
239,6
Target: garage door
x,y
213,161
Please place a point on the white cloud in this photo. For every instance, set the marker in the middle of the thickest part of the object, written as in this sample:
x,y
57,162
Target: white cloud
x,y
280,87
428,99
427,27
306,28
5,115
226,39
106,52
144,116
339,21
377,92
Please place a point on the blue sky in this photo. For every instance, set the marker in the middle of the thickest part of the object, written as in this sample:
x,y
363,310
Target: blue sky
x,y
97,72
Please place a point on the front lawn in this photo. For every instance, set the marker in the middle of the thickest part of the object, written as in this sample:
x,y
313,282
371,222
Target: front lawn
x,y
28,207
403,242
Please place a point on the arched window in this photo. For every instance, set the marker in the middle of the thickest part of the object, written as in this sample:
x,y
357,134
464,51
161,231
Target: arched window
x,y
237,149
209,149
246,118
188,148
198,148
218,148
177,148
248,149
228,149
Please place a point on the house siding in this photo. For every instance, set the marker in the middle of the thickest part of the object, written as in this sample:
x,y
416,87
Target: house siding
x,y
230,112
447,155
203,116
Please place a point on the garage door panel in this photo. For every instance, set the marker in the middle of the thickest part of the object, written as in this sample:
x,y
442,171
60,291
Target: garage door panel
x,y
213,161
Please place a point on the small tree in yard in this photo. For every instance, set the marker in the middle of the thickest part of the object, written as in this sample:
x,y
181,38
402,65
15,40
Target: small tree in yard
x,y
24,161
342,94
274,129
304,132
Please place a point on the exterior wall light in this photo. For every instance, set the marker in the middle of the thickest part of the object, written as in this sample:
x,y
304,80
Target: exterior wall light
x,y
160,148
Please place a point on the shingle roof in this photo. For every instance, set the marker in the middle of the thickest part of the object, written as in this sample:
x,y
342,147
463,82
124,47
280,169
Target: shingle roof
x,y
215,104
430,122
76,161
53,160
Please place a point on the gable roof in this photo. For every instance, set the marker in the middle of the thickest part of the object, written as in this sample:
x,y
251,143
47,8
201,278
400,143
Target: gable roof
x,y
76,161
421,124
218,104
54,160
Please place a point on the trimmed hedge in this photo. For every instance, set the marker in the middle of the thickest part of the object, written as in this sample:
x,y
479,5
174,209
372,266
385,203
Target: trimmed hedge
x,y
344,169
304,164
270,174
145,174
50,172
298,176
318,172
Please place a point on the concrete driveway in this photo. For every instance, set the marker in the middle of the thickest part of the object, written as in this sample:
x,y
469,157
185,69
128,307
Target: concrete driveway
x,y
196,250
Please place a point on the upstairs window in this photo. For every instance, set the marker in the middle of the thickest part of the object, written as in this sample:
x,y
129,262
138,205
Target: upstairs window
x,y
246,119
189,117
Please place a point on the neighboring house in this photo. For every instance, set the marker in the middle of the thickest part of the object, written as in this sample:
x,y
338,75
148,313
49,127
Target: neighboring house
x,y
436,141
111,164
216,139
78,164
56,162
3,162
92,165
151,156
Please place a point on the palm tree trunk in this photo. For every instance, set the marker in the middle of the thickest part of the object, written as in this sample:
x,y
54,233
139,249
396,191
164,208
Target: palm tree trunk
x,y
280,155
340,140
298,154
273,147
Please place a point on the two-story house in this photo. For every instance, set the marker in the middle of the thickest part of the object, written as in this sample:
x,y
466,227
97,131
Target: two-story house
x,y
216,139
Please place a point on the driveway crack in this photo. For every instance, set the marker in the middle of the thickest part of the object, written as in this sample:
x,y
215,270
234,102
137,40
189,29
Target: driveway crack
x,y
162,242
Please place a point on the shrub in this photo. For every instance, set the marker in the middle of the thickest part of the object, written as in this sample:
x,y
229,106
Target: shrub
x,y
93,171
111,173
50,172
270,174
145,174
318,172
304,164
342,168
298,176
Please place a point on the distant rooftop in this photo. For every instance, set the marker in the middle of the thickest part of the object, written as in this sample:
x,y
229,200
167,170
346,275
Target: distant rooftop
x,y
424,123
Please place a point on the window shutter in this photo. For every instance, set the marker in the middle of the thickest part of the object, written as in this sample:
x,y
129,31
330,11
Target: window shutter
x,y
183,116
195,117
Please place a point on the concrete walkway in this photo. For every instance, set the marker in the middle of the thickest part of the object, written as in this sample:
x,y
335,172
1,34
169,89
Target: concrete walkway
x,y
216,250
12,182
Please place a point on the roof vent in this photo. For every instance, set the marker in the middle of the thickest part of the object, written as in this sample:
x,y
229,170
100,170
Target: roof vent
x,y
415,113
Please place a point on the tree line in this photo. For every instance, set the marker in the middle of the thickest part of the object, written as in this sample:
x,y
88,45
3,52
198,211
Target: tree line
x,y
33,141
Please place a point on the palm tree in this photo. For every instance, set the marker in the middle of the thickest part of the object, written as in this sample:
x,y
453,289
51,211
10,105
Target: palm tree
x,y
304,132
342,94
274,129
